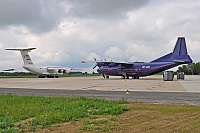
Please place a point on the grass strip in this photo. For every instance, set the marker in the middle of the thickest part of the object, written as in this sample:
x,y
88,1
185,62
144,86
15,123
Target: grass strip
x,y
20,112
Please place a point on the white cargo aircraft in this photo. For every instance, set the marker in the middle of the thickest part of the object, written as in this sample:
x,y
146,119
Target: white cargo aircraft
x,y
42,72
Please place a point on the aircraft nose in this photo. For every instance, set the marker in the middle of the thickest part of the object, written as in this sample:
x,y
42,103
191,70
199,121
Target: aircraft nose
x,y
99,70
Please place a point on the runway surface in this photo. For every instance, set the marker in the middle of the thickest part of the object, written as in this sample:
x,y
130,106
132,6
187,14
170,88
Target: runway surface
x,y
148,89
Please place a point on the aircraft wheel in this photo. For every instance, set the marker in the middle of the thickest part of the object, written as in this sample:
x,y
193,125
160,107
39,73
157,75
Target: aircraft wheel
x,y
127,77
40,76
107,77
50,76
135,77
56,76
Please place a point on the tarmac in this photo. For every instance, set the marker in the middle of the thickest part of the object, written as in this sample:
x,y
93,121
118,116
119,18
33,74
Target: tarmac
x,y
153,83
146,89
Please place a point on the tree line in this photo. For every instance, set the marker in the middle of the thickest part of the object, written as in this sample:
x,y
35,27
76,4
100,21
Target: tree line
x,y
16,74
190,69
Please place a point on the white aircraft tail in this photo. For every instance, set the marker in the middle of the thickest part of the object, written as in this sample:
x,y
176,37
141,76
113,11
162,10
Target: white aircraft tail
x,y
25,56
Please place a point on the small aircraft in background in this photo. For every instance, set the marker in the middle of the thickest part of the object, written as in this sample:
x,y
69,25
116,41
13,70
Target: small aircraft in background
x,y
139,69
42,72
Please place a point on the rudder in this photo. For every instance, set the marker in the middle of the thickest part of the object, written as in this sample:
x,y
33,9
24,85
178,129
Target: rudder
x,y
25,56
180,48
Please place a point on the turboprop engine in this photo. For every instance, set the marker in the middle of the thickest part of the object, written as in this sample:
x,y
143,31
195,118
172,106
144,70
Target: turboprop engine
x,y
61,71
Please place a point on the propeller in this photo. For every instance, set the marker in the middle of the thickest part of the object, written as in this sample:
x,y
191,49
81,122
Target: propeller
x,y
95,66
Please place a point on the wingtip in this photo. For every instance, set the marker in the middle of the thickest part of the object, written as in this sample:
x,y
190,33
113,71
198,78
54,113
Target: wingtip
x,y
83,61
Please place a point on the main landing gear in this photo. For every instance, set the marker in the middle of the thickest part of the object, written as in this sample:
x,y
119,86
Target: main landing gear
x,y
125,77
105,76
135,77
122,77
48,76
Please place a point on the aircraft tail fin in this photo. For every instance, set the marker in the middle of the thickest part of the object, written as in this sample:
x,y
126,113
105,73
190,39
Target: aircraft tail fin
x,y
25,56
179,54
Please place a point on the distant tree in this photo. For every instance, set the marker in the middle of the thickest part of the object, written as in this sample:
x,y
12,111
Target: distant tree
x,y
15,73
190,69
197,68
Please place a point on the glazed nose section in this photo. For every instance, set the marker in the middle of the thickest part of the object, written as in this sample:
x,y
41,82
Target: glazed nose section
x,y
99,70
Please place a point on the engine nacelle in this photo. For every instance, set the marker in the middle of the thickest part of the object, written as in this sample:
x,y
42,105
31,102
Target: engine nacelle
x,y
60,71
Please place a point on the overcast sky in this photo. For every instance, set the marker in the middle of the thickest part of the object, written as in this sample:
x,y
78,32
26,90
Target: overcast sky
x,y
65,32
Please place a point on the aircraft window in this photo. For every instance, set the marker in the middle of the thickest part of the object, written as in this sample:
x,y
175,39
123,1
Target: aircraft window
x,y
143,66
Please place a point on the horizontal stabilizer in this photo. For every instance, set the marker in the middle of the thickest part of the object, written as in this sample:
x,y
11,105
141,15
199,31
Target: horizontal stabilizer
x,y
9,70
164,58
179,61
23,49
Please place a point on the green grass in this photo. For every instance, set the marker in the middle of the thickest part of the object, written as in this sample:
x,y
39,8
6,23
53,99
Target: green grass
x,y
38,114
43,111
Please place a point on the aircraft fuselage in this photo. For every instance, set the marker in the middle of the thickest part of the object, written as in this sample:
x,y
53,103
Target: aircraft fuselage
x,y
45,70
137,69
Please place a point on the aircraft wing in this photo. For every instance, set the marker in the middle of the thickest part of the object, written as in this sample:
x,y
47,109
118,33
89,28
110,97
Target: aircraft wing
x,y
59,68
52,69
112,63
62,68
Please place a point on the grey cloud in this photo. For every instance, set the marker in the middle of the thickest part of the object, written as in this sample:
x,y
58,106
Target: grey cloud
x,y
104,9
38,16
41,16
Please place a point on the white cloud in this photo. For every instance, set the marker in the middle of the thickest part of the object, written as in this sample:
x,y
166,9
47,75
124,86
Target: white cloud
x,y
1,45
92,57
114,52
